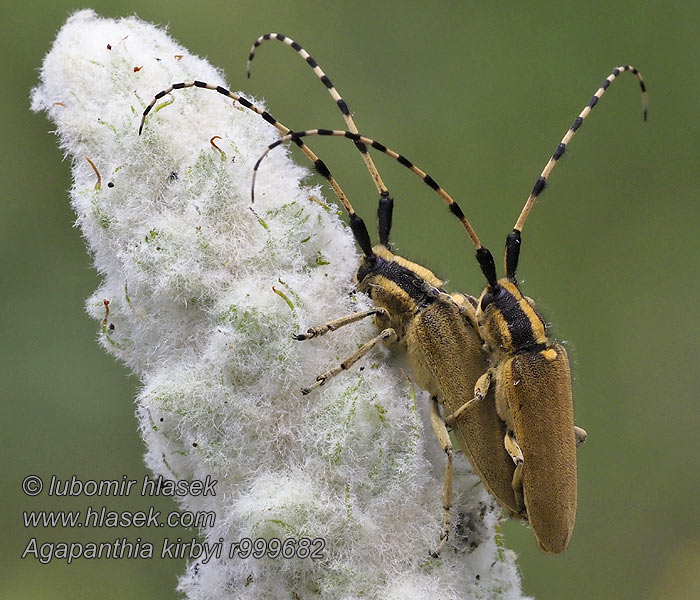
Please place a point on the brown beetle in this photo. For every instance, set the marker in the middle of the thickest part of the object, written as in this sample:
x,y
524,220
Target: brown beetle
x,y
522,402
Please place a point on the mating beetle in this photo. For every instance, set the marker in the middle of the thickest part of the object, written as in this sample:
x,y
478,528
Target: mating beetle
x,y
522,402
504,386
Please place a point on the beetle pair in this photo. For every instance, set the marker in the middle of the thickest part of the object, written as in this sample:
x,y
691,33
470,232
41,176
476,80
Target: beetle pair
x,y
504,386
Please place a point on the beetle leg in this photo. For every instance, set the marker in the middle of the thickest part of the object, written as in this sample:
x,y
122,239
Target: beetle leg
x,y
517,455
387,335
444,438
481,388
580,434
338,323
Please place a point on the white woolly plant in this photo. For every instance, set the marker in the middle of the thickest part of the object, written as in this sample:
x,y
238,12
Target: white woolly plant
x,y
204,295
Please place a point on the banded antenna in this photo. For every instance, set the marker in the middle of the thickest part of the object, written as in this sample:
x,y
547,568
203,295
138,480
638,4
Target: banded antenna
x,y
384,212
513,240
319,165
483,254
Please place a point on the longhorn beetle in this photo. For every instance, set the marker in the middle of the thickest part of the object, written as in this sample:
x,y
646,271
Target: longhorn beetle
x,y
521,400
421,288
414,312
481,426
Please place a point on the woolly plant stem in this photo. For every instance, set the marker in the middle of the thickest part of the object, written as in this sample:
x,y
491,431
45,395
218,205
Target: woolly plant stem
x,y
203,294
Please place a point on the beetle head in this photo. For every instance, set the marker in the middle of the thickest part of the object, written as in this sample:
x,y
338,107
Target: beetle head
x,y
507,319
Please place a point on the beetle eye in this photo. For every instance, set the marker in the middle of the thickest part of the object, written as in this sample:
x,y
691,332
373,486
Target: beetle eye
x,y
489,297
361,273
368,265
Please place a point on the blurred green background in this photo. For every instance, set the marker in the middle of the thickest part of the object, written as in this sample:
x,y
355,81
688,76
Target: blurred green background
x,y
479,94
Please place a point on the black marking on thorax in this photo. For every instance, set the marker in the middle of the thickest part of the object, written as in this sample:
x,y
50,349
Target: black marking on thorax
x,y
519,325
420,291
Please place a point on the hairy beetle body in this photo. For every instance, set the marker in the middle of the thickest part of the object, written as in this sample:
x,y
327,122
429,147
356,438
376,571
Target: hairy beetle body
x,y
440,336
536,389
532,383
